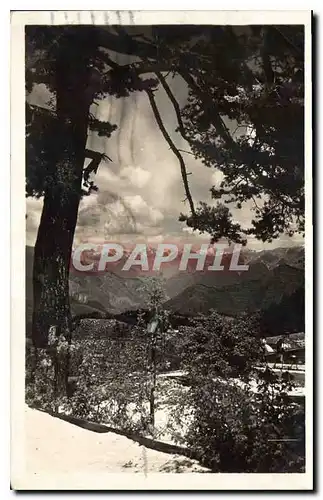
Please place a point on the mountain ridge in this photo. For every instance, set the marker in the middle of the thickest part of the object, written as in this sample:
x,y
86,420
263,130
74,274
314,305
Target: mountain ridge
x,y
273,276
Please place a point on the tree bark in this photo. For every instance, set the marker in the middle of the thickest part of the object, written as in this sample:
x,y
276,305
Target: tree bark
x,y
63,191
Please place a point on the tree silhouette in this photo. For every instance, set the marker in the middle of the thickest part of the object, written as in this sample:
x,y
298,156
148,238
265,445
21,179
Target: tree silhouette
x,y
253,77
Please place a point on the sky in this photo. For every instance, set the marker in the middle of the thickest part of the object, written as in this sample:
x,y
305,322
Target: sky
x,y
141,193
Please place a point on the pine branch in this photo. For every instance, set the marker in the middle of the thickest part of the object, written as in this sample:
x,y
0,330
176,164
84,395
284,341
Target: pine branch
x,y
95,155
173,148
299,51
140,68
105,58
175,104
163,129
93,166
207,100
125,44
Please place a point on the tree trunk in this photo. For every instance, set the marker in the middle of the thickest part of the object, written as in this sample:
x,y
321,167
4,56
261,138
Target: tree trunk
x,y
63,191
51,265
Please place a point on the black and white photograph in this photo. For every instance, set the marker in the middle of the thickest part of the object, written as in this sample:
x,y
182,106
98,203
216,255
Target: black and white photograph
x,y
162,332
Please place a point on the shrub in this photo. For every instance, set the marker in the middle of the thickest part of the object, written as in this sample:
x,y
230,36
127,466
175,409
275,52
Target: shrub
x,y
46,373
218,346
217,415
112,382
39,379
235,429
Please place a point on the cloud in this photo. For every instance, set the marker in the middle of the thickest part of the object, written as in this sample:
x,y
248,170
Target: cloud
x,y
137,176
142,210
141,193
187,229
217,178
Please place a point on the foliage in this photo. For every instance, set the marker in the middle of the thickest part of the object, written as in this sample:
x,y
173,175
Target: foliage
x,y
286,316
215,345
153,288
40,141
108,380
44,49
42,391
236,419
260,88
253,78
155,292
236,430
112,383
214,409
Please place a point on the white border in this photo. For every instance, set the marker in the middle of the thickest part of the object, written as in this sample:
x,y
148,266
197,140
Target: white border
x,y
148,17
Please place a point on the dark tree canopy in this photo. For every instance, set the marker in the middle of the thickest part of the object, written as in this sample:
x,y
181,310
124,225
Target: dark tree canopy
x,y
243,117
257,81
253,77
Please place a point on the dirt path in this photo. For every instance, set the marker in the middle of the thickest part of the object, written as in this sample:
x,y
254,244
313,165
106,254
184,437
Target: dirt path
x,y
57,447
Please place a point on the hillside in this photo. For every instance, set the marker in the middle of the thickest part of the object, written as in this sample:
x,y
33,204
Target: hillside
x,y
253,290
90,294
274,282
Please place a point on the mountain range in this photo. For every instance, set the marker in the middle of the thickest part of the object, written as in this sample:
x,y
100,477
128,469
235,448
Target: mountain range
x,y
275,279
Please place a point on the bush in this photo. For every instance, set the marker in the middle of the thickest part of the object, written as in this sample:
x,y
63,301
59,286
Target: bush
x,y
46,373
112,383
111,380
39,379
218,346
232,427
236,430
217,415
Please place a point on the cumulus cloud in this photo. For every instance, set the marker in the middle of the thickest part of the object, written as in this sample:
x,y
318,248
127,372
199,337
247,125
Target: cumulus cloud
x,y
137,176
188,230
142,210
217,178
141,191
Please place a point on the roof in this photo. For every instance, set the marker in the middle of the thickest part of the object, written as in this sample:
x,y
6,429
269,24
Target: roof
x,y
290,342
